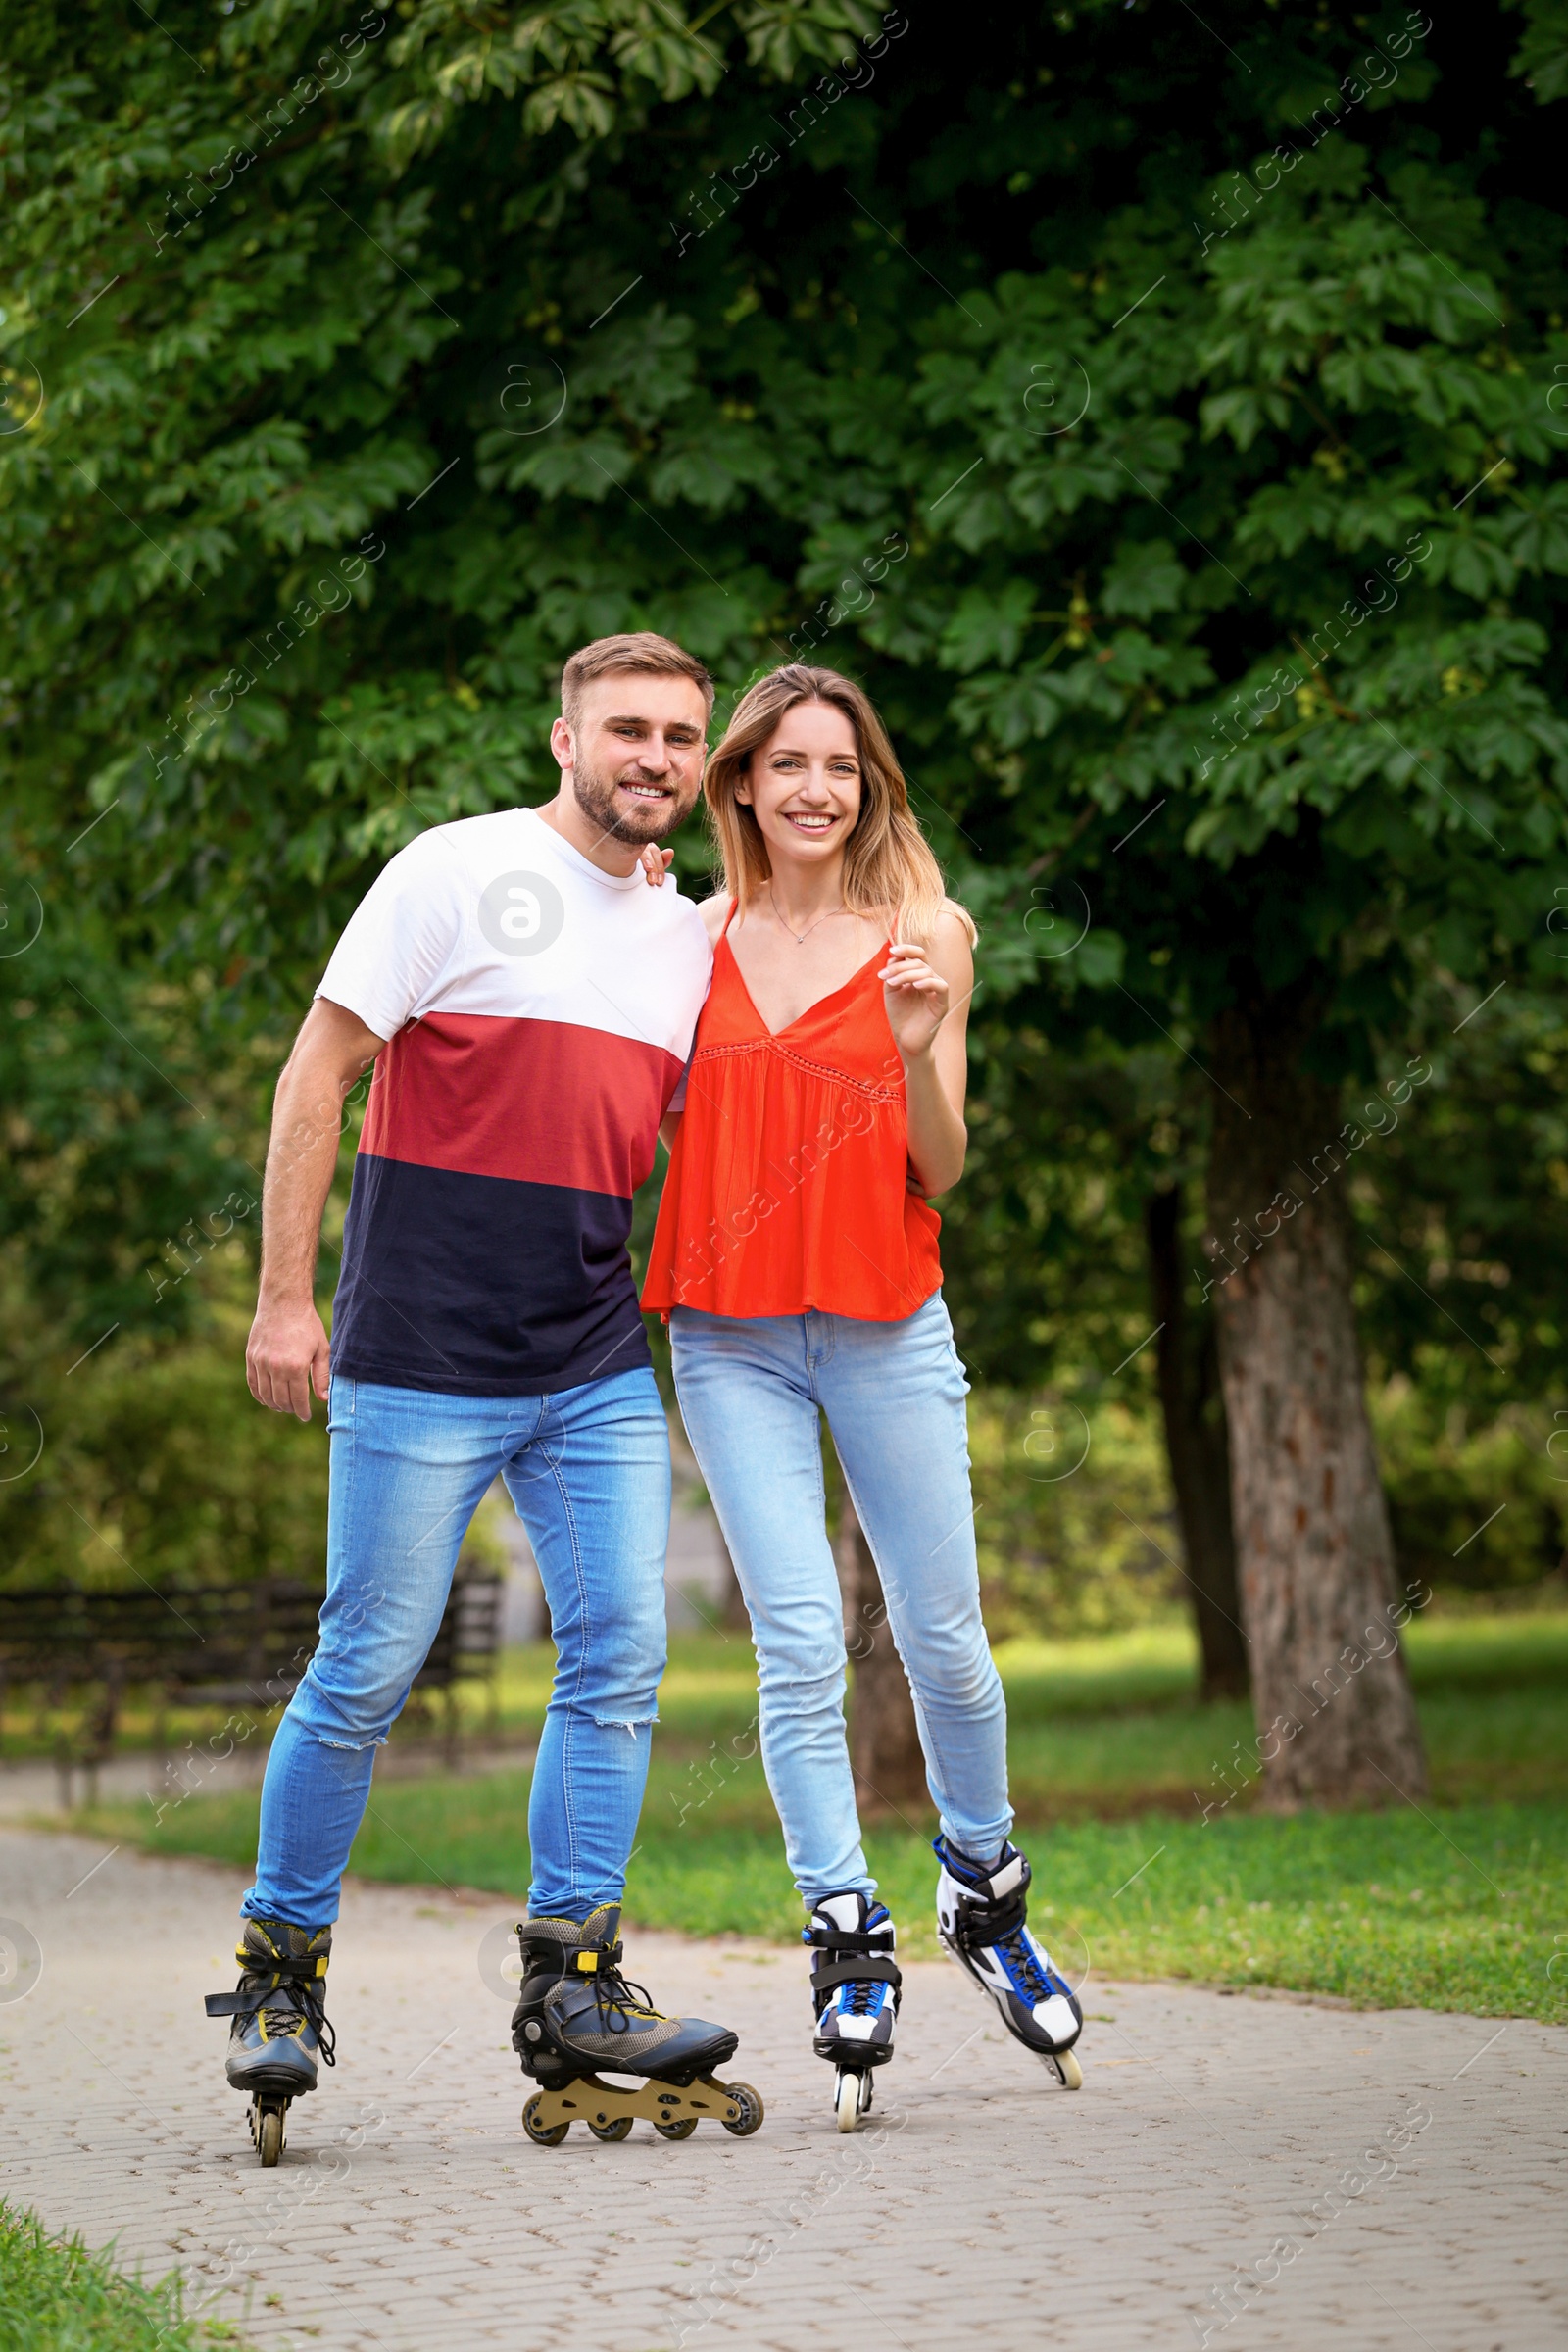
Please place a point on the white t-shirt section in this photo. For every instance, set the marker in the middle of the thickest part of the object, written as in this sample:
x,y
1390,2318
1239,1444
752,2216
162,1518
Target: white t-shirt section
x,y
498,915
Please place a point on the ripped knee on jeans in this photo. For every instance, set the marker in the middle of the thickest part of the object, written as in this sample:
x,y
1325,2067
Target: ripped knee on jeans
x,y
631,1721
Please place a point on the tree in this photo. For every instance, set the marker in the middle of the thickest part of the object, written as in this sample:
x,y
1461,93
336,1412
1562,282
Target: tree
x,y
1157,415
1192,1408
1064,1248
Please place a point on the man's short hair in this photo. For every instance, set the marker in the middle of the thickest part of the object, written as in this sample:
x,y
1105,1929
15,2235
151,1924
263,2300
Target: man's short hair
x,y
640,651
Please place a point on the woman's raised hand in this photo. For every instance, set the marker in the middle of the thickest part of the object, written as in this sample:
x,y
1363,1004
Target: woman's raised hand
x,y
915,996
656,863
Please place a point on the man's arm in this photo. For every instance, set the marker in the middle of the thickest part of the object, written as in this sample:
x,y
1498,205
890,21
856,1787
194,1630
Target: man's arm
x,y
288,1347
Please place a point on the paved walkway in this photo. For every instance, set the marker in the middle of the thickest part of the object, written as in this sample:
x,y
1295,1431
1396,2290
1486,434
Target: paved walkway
x,y
1214,2143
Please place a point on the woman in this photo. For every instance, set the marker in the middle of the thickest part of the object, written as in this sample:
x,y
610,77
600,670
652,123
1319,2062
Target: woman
x,y
796,1259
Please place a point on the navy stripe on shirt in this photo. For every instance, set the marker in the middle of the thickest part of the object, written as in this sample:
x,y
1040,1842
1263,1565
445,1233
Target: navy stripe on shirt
x,y
482,1286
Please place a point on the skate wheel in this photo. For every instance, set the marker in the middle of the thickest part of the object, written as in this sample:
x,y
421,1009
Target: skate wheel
x,y
682,2130
1068,2070
270,2135
541,2136
619,2130
749,2103
847,2101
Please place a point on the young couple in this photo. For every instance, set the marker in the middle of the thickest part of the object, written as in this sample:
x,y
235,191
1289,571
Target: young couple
x,y
537,1015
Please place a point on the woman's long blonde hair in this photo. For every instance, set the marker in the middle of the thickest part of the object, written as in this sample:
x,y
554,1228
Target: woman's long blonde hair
x,y
887,862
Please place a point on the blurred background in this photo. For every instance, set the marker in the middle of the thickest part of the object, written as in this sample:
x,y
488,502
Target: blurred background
x,y
1161,417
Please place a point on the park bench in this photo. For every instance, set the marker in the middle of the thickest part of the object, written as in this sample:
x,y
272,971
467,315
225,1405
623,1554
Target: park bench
x,y
242,1646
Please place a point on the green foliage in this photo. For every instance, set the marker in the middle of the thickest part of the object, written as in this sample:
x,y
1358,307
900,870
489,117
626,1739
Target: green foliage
x,y
55,2296
126,1158
1463,1210
1542,57
1336,388
159,1468
356,368
1484,1506
1066,1547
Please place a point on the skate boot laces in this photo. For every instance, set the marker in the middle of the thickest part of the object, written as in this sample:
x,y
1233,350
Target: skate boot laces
x,y
852,1940
1030,1967
280,1985
285,2018
615,1996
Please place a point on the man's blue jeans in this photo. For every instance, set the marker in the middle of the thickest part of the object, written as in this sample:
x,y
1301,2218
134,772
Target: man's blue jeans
x,y
588,1470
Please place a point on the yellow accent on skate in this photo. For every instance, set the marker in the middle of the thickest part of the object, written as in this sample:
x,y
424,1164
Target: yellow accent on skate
x,y
248,1958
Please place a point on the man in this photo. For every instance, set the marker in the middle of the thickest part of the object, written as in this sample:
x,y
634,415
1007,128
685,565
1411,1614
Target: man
x,y
528,1005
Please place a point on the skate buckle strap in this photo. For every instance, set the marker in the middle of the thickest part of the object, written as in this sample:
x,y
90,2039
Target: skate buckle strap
x,y
595,1957
826,1974
1009,1875
849,1939
306,1967
990,1917
979,1923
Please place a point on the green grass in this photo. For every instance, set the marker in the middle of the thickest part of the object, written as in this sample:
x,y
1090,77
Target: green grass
x,y
56,2297
1455,1906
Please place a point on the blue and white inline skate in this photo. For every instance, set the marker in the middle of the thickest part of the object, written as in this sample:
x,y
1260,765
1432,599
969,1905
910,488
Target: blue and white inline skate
x,y
855,1992
981,1917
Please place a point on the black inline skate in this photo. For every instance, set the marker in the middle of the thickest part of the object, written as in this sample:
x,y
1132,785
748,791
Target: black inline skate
x,y
281,2027
982,1911
577,2013
855,1992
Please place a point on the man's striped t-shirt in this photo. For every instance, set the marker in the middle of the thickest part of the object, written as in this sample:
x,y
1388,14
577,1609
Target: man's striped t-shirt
x,y
540,1014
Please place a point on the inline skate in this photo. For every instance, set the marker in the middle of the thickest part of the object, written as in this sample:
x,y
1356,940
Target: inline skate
x,y
279,2028
982,1911
855,1993
577,2013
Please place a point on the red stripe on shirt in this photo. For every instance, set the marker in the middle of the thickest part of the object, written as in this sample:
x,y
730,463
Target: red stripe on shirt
x,y
543,1102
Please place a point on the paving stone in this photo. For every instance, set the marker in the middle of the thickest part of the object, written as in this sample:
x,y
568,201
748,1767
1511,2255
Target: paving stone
x,y
409,2213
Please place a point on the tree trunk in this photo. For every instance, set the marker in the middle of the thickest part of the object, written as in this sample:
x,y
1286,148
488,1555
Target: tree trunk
x,y
1192,1404
1337,1724
885,1753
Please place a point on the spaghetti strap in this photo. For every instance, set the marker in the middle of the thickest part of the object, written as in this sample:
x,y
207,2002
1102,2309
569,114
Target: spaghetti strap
x,y
788,1187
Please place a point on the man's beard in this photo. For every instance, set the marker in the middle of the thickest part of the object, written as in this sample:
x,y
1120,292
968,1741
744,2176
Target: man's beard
x,y
596,797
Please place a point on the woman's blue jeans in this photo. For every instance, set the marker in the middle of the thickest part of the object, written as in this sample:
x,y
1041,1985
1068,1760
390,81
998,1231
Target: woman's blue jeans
x,y
588,1470
752,1389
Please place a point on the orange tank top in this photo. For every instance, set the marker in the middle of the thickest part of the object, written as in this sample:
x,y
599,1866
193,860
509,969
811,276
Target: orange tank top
x,y
789,1184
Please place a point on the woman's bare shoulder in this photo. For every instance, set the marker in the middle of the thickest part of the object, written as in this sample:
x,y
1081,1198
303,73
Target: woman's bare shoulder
x,y
954,932
715,912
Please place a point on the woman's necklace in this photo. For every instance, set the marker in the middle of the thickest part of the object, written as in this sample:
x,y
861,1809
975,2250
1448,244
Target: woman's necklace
x,y
801,937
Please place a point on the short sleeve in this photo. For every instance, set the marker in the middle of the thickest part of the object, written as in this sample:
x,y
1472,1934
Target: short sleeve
x,y
397,942
678,1101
